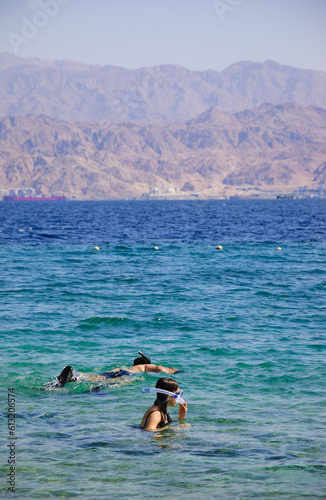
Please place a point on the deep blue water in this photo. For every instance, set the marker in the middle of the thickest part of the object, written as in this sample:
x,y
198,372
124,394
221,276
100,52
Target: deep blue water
x,y
246,324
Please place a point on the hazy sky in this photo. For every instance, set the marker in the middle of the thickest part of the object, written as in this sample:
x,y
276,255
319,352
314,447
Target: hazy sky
x,y
197,34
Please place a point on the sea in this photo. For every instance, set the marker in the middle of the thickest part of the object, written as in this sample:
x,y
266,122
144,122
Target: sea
x,y
245,324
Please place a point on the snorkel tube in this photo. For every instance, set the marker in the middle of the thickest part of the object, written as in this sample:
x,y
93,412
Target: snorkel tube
x,y
178,397
148,361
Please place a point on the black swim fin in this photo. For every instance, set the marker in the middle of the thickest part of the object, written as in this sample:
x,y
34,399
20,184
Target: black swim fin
x,y
67,375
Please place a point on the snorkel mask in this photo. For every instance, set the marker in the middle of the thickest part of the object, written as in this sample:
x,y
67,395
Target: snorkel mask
x,y
178,397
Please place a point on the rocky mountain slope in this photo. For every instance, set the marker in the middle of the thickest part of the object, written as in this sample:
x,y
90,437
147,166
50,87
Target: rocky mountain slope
x,y
77,92
268,147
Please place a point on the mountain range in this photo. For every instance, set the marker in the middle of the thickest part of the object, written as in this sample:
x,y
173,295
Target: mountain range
x,y
265,148
99,132
77,92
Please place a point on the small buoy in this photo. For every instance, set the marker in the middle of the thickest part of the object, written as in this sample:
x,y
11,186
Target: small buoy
x,y
156,248
96,248
219,247
279,248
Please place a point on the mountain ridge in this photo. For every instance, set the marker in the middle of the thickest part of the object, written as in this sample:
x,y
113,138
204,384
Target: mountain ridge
x,y
265,148
167,93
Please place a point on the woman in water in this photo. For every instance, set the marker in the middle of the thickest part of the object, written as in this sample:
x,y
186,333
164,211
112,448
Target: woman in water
x,y
157,415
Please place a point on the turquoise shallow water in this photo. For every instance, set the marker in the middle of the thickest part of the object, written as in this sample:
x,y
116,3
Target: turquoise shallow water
x,y
246,324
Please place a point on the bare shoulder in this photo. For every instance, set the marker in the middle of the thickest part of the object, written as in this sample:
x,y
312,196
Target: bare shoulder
x,y
153,368
151,419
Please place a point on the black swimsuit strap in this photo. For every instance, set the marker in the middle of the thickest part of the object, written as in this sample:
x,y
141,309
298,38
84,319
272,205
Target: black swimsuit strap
x,y
163,422
149,415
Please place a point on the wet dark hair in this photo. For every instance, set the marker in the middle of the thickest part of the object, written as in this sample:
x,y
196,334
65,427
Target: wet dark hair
x,y
168,384
142,360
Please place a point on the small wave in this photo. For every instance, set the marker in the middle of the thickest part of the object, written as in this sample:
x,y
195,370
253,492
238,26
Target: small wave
x,y
267,364
220,351
46,235
95,320
277,457
284,379
47,416
139,453
220,452
320,286
127,280
228,421
98,444
122,247
286,467
317,347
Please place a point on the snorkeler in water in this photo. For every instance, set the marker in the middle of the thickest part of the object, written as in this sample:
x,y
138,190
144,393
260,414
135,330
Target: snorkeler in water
x,y
167,394
140,364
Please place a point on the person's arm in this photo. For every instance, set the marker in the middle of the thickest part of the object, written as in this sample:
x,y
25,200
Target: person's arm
x,y
159,368
182,411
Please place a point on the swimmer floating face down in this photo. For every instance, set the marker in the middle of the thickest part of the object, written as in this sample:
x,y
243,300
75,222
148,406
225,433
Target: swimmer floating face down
x,y
140,364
